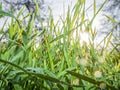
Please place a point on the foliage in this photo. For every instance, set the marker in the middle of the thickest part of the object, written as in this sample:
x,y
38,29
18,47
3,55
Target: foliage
x,y
58,61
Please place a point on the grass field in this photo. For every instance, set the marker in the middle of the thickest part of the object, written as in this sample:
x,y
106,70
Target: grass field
x,y
60,59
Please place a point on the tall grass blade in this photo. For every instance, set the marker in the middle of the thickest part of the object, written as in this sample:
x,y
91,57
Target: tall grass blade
x,y
90,80
96,13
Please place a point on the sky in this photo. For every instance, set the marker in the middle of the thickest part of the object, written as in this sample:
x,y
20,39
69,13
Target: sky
x,y
60,7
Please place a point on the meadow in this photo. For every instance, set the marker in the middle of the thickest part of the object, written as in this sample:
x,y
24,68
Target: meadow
x,y
56,58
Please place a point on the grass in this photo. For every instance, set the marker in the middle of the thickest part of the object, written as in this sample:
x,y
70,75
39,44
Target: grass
x,y
60,59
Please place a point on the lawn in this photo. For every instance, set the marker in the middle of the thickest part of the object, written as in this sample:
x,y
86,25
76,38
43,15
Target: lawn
x,y
57,58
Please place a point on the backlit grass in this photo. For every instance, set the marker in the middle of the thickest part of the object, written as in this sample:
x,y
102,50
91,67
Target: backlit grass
x,y
58,57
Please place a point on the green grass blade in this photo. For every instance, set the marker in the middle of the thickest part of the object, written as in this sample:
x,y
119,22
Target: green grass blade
x,y
3,13
94,8
90,80
110,19
96,13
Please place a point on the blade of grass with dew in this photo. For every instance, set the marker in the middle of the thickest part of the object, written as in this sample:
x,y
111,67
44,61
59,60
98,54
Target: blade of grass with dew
x,y
46,77
14,65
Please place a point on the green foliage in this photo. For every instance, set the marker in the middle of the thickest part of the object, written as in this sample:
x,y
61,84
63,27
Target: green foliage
x,y
58,61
